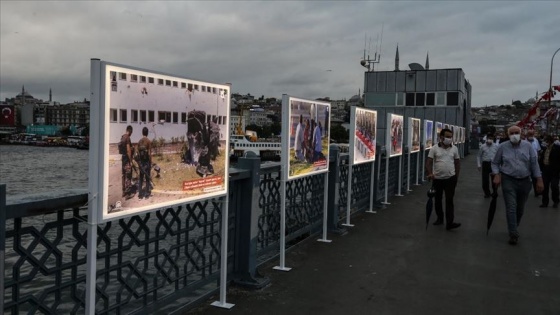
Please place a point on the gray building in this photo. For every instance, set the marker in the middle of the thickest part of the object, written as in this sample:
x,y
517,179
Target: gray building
x,y
442,95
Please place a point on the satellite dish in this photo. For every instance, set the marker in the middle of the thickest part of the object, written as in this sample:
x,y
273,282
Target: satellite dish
x,y
415,66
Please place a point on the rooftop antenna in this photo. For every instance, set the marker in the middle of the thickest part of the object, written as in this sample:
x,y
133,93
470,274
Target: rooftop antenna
x,y
367,62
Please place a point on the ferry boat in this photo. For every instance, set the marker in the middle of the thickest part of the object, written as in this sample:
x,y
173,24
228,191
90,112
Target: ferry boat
x,y
268,150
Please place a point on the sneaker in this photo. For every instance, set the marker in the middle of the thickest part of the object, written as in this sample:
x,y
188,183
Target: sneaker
x,y
452,226
513,240
438,222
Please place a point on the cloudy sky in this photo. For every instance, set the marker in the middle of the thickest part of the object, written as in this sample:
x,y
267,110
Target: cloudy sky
x,y
305,49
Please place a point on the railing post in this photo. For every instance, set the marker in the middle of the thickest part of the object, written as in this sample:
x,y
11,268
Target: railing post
x,y
2,242
334,182
246,273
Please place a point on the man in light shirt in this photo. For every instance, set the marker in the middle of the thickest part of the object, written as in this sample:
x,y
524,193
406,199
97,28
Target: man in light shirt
x,y
537,146
484,161
443,168
513,166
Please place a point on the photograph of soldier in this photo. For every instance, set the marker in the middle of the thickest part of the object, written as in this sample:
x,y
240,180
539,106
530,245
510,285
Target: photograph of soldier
x,y
144,160
308,137
395,134
180,155
364,140
439,128
415,135
428,133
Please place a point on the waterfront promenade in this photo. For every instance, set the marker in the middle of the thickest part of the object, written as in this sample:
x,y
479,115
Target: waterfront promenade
x,y
389,264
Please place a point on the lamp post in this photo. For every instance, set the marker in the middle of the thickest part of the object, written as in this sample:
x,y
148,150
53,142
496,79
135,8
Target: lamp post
x,y
550,92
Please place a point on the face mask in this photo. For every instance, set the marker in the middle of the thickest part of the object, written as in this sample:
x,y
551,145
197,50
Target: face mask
x,y
447,141
489,141
514,138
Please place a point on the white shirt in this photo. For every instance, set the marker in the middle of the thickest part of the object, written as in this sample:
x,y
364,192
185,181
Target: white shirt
x,y
486,153
443,161
299,137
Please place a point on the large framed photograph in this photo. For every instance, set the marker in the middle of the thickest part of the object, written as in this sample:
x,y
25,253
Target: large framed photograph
x,y
164,140
363,131
439,128
455,130
414,134
428,134
305,136
394,134
461,135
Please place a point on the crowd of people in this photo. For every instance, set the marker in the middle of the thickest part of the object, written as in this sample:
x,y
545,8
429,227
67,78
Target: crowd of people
x,y
308,142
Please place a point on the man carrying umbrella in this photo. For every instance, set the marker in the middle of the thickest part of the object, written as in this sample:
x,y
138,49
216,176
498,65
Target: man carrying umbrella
x,y
513,166
484,159
443,168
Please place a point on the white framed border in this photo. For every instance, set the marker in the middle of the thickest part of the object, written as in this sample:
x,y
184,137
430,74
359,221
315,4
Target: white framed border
x,y
173,98
363,135
292,108
395,134
438,128
428,134
413,134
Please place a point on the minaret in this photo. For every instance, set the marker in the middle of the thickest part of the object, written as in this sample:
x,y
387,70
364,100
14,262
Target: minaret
x,y
397,59
427,67
50,95
22,95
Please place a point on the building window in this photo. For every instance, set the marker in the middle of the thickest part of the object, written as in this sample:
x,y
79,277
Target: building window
x,y
164,116
440,98
183,85
160,81
183,118
409,99
168,82
420,99
123,115
452,98
175,84
133,115
151,116
175,117
214,91
430,99
142,79
122,76
196,87
190,87
400,99
143,116
114,117
151,80
133,78
203,88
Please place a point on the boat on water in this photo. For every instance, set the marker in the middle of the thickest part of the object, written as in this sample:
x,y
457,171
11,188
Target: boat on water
x,y
266,149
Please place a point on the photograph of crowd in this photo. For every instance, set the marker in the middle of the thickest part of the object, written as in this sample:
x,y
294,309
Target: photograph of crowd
x,y
364,130
439,128
158,156
395,134
428,134
414,134
308,137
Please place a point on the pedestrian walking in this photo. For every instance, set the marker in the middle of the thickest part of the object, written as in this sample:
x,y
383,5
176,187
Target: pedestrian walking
x,y
443,167
484,161
513,166
549,162
537,146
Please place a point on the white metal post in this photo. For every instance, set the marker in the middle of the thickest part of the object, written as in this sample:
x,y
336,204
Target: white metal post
x,y
417,167
385,202
371,189
423,165
282,266
400,177
408,173
325,205
223,258
349,195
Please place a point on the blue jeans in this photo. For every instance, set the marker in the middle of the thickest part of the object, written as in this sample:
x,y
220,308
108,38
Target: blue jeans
x,y
515,193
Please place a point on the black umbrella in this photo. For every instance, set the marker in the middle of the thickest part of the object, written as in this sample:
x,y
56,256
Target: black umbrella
x,y
429,205
491,210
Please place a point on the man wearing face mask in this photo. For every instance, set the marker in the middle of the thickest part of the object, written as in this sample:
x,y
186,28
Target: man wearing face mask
x,y
443,168
513,166
537,146
549,161
484,161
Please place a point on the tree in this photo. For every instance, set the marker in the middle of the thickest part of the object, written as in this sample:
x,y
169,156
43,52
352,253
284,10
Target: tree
x,y
340,134
517,104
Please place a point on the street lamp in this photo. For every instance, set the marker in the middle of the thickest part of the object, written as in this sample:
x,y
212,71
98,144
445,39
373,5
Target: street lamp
x,y
550,92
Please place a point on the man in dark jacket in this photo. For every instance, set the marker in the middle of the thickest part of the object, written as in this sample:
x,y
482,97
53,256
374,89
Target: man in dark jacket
x,y
549,162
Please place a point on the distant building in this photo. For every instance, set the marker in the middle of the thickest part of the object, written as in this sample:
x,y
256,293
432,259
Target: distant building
x,y
440,95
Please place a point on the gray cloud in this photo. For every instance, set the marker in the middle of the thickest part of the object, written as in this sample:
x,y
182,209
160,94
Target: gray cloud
x,y
273,48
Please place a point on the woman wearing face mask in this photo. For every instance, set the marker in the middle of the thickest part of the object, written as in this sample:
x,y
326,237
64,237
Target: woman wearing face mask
x,y
513,166
484,159
443,168
549,161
